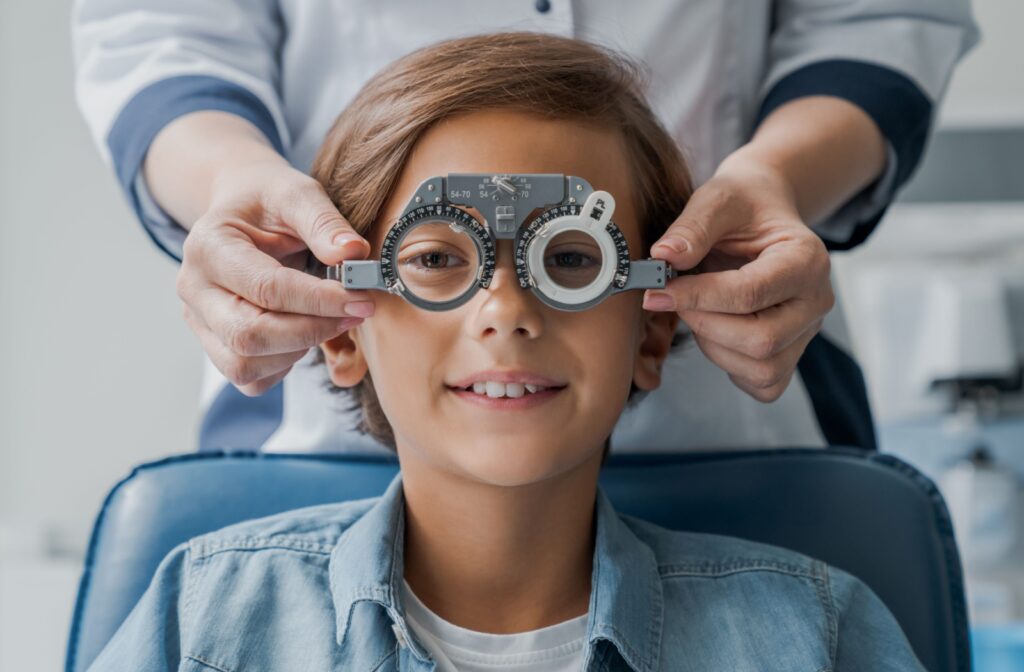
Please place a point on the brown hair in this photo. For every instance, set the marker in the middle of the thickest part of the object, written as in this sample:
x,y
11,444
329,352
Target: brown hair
x,y
556,77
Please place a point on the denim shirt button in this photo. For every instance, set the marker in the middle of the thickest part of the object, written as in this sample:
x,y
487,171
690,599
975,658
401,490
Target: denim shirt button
x,y
398,635
542,6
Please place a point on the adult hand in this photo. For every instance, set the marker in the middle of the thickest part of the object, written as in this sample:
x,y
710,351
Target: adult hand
x,y
762,285
255,311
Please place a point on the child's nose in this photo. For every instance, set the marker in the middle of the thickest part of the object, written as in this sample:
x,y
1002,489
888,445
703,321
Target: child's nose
x,y
506,309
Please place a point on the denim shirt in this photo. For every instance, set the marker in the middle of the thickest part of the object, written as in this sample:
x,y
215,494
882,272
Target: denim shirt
x,y
319,588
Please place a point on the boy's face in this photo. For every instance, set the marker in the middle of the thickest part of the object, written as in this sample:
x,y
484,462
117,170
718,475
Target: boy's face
x,y
420,359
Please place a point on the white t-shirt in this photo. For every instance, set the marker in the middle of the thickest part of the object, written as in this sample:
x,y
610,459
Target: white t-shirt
x,y
556,648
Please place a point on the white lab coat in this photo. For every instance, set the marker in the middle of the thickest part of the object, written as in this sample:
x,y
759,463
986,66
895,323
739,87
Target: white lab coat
x,y
712,64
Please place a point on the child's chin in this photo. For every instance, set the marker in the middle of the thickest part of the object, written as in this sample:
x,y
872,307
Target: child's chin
x,y
516,463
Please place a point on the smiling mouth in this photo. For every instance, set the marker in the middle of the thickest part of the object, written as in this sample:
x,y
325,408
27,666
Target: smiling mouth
x,y
507,396
496,390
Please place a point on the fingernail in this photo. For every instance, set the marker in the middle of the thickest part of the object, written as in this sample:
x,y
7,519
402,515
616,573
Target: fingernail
x,y
672,245
659,301
359,308
343,239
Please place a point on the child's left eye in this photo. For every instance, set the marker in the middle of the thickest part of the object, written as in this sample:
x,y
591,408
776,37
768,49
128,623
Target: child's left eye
x,y
570,260
436,259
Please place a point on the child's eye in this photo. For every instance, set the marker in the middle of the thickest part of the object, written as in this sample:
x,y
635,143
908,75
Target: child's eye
x,y
434,260
571,260
434,271
573,263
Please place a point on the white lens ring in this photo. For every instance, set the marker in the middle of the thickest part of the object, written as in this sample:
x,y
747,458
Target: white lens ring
x,y
575,298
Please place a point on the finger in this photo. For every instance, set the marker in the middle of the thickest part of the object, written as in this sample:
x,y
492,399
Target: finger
x,y
241,371
765,379
760,335
765,395
242,269
710,214
773,278
262,386
311,214
250,331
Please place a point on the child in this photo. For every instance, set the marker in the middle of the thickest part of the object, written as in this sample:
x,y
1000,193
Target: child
x,y
494,547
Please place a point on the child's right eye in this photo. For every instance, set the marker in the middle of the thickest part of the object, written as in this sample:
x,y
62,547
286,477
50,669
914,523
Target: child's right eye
x,y
434,269
434,260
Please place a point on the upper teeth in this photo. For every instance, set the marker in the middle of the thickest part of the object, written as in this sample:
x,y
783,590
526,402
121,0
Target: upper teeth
x,y
514,390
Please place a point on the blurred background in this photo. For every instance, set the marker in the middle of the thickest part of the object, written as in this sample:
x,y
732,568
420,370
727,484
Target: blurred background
x,y
98,372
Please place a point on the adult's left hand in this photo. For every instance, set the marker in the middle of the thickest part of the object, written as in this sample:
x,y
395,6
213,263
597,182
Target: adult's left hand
x,y
762,283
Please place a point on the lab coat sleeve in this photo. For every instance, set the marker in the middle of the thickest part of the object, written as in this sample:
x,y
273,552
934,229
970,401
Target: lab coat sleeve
x,y
151,637
140,64
892,58
866,636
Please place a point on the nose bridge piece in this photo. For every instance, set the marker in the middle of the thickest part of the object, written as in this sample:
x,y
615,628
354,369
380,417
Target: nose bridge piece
x,y
504,278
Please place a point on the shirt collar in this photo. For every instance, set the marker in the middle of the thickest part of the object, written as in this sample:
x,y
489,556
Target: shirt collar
x,y
626,602
367,564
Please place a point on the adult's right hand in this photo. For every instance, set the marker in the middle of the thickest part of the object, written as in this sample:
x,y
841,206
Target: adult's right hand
x,y
255,311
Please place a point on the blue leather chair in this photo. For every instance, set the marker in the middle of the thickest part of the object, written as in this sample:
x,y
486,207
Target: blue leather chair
x,y
870,514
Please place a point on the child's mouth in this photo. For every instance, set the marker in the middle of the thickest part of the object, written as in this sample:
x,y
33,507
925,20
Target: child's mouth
x,y
507,390
488,395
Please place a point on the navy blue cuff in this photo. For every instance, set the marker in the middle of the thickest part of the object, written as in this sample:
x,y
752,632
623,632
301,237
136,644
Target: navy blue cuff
x,y
157,105
898,107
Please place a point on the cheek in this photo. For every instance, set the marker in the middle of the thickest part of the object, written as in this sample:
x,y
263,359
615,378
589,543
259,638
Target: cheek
x,y
403,346
607,340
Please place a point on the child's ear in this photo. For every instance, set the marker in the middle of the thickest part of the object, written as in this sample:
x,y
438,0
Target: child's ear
x,y
346,364
657,331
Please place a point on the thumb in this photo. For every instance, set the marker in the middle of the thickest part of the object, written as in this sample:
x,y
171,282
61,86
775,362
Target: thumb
x,y
326,233
705,220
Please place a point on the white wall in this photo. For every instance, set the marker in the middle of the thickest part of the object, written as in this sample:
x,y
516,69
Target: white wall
x,y
988,87
97,369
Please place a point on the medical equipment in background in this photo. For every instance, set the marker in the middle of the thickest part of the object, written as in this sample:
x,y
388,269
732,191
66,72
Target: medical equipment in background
x,y
936,307
941,337
972,358
982,496
571,255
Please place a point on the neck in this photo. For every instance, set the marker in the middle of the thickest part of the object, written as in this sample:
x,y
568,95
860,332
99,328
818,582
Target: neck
x,y
499,559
